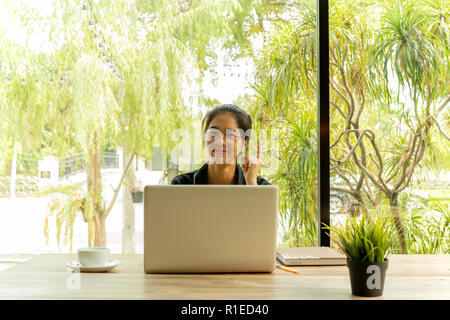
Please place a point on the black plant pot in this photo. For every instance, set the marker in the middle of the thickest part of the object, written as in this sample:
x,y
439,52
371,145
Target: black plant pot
x,y
367,278
138,197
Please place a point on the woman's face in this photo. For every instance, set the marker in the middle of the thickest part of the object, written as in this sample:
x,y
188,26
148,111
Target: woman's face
x,y
223,139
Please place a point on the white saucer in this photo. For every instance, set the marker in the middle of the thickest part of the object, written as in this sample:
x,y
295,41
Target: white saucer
x,y
76,265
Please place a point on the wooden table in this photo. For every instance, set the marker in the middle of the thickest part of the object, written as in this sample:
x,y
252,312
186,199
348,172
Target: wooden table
x,y
46,276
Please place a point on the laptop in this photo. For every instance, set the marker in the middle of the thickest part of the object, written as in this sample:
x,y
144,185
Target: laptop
x,y
210,228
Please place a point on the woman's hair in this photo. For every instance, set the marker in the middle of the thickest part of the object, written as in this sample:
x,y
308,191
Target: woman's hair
x,y
242,118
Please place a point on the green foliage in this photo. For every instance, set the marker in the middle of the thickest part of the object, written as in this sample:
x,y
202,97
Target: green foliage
x,y
67,203
428,228
286,68
410,46
72,100
296,178
284,85
364,238
25,185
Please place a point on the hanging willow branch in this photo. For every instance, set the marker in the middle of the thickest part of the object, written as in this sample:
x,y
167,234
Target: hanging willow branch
x,y
117,189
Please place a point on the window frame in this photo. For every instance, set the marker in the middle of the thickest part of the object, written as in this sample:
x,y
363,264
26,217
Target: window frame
x,y
323,121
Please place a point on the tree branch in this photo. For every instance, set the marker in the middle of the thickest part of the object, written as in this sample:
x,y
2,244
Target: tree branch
x,y
363,102
363,161
84,167
116,191
443,105
344,81
340,135
406,157
369,193
417,157
348,172
349,183
341,190
365,132
381,184
439,127
338,109
374,161
378,154
340,94
418,154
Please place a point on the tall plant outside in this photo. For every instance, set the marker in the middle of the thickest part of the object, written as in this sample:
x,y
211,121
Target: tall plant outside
x,y
297,179
286,101
428,228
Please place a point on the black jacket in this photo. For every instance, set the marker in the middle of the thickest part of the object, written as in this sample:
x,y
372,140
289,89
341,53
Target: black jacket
x,y
200,176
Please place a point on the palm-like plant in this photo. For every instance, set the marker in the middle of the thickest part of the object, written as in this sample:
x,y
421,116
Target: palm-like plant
x,y
428,229
281,89
409,53
296,177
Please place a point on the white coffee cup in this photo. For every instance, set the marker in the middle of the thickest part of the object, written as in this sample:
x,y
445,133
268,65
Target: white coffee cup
x,y
93,256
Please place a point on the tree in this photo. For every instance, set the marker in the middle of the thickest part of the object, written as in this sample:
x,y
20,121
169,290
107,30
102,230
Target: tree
x,y
141,105
115,76
404,51
21,104
409,46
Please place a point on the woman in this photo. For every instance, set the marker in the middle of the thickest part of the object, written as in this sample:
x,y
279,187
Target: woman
x,y
226,136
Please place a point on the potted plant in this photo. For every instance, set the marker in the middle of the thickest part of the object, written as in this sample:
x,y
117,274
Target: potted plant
x,y
137,192
367,243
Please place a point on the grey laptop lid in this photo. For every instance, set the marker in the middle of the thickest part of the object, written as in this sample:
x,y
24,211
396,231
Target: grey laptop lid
x,y
210,228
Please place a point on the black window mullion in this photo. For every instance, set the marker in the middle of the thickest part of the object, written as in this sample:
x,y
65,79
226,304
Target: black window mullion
x,y
323,102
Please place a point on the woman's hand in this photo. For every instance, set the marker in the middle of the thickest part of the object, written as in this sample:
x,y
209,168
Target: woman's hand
x,y
251,167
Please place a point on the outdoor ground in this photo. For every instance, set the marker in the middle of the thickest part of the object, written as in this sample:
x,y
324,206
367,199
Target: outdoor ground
x,y
22,221
22,227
